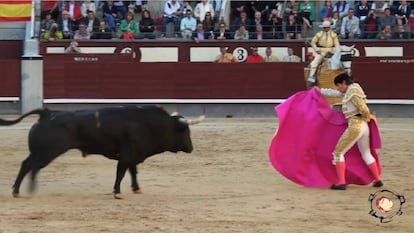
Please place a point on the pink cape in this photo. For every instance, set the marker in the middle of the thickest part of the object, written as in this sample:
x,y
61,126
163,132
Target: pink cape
x,y
308,131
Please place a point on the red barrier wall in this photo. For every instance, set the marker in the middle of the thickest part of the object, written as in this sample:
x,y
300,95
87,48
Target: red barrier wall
x,y
66,78
124,76
10,53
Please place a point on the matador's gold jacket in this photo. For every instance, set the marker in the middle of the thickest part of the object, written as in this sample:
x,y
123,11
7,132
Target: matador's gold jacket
x,y
353,101
325,42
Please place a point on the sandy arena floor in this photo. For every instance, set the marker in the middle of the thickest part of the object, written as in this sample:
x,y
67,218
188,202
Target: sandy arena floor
x,y
225,185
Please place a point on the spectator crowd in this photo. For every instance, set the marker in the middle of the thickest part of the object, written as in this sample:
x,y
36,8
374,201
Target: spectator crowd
x,y
224,19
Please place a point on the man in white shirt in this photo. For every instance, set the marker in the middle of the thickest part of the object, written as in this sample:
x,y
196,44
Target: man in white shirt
x,y
202,8
350,26
291,57
172,14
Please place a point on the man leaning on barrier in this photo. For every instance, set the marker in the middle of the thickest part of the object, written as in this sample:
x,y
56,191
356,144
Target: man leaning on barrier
x,y
324,43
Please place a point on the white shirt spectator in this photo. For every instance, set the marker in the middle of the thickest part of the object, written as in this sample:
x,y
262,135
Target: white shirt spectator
x,y
350,25
201,9
171,7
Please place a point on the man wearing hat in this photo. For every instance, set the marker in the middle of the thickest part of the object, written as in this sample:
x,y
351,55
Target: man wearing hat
x,y
324,43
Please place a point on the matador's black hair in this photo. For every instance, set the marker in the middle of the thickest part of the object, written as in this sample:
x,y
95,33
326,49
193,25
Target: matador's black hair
x,y
343,77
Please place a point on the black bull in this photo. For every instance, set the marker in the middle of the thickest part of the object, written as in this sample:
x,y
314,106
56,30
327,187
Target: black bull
x,y
127,134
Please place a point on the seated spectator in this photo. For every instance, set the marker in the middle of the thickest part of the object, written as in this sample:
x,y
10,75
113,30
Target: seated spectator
x,y
306,14
50,7
138,6
225,12
218,6
291,57
258,34
379,7
146,26
261,6
53,33
82,33
188,25
73,48
362,9
273,28
186,6
208,23
254,56
370,26
110,14
92,23
201,9
401,33
46,24
225,57
388,19
385,34
236,8
128,27
65,25
326,11
121,8
116,32
403,12
86,6
291,8
292,28
73,7
350,26
257,20
199,34
269,57
103,32
241,20
172,14
241,33
335,23
222,33
342,8
393,5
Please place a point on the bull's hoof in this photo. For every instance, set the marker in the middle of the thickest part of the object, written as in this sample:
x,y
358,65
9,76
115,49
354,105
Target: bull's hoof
x,y
137,191
16,195
117,195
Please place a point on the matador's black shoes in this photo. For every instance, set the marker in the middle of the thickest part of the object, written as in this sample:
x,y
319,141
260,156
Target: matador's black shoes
x,y
377,184
338,187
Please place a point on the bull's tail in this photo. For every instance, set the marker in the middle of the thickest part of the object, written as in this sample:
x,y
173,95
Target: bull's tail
x,y
42,112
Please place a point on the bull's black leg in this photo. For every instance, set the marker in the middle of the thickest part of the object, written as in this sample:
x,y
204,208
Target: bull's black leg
x,y
24,169
32,185
134,182
120,173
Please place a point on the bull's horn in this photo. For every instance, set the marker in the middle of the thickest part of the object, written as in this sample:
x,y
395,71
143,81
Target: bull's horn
x,y
193,121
